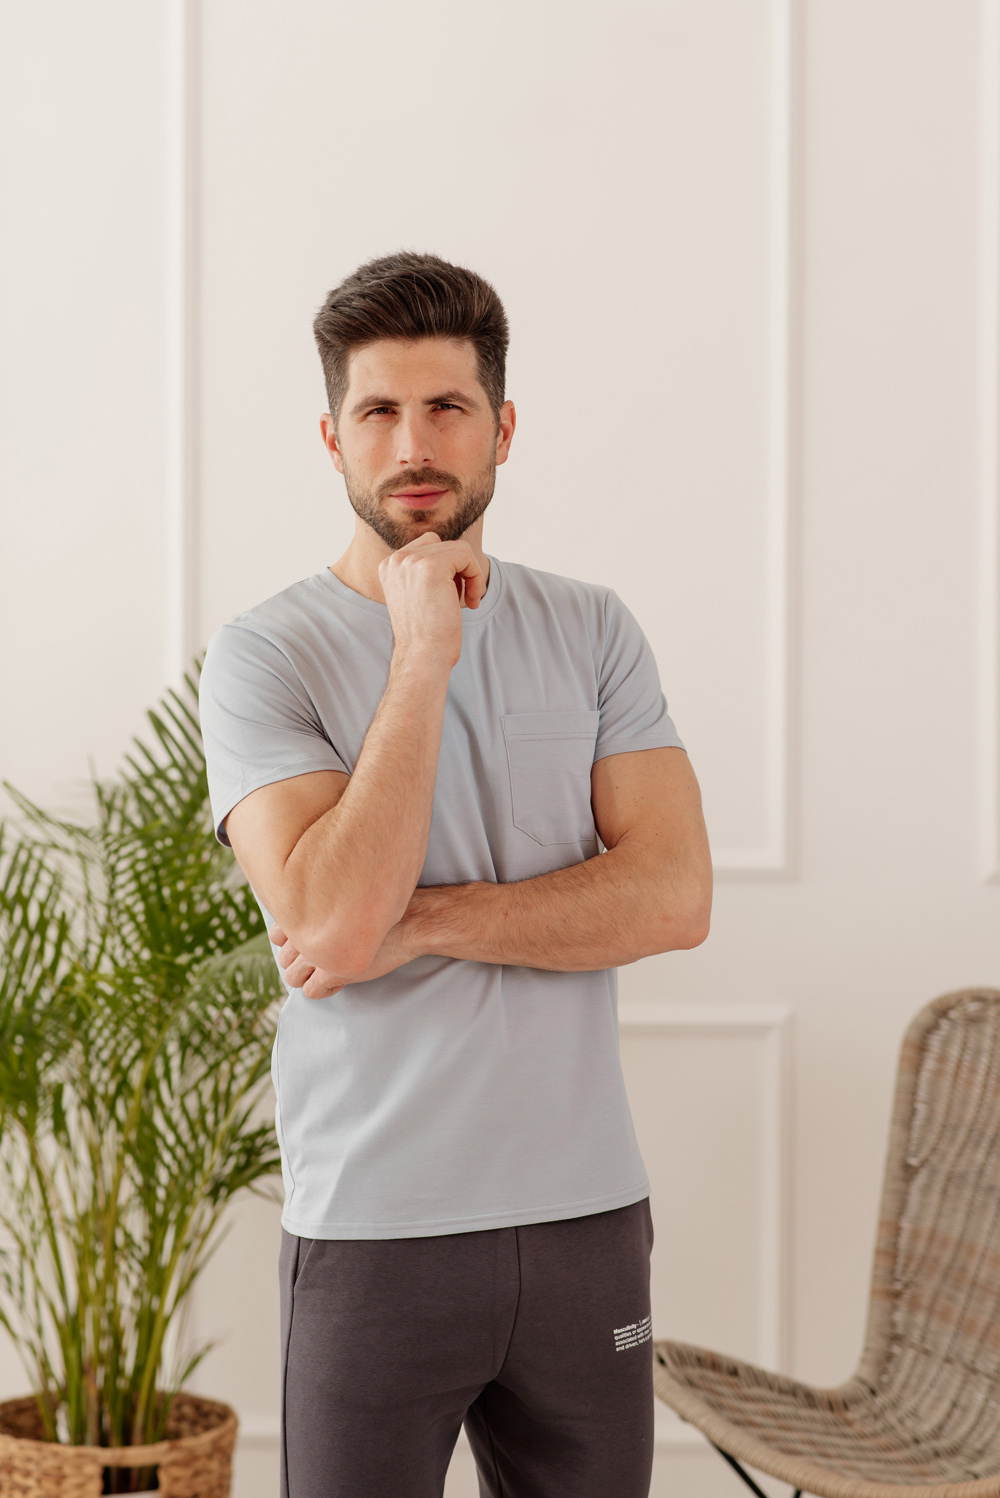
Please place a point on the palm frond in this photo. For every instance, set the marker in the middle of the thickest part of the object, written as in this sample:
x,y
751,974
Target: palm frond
x,y
138,1001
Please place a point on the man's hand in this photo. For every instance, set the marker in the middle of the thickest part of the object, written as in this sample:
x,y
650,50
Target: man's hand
x,y
424,583
319,983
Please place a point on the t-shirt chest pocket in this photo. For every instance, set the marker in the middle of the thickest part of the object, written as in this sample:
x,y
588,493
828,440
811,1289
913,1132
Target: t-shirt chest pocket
x,y
549,756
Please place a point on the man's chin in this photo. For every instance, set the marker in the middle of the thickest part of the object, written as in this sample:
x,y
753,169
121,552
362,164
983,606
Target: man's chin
x,y
421,519
420,523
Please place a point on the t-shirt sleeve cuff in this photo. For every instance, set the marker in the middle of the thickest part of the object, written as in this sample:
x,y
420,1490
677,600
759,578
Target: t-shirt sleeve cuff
x,y
658,740
271,777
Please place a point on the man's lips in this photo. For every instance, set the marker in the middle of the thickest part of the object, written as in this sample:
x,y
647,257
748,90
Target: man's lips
x,y
418,499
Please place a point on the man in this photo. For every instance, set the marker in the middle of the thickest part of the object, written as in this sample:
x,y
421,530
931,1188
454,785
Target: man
x,y
413,754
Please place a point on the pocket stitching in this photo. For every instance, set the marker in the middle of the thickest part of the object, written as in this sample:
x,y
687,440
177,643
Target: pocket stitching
x,y
542,738
576,735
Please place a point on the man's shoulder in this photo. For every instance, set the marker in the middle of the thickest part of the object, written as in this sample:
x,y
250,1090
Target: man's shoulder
x,y
554,590
306,611
306,598
272,634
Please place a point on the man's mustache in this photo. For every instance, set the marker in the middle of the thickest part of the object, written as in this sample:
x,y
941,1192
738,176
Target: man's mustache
x,y
418,478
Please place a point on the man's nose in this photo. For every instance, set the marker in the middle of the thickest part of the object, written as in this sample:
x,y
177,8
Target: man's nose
x,y
415,445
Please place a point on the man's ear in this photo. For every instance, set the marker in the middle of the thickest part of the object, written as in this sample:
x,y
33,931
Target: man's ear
x,y
330,441
506,422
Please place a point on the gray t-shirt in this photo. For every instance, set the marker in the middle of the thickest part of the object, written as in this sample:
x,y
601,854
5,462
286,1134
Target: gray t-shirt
x,y
449,1095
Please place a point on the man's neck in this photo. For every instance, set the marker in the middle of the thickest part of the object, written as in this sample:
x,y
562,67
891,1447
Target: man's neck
x,y
357,569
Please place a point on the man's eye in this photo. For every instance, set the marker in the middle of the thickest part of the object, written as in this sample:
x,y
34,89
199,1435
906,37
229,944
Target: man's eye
x,y
379,410
447,406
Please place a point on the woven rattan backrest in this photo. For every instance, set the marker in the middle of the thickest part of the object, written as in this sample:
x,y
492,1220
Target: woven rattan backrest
x,y
933,1341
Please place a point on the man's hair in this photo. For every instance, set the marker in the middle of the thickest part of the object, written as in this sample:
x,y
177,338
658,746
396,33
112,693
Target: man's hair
x,y
407,295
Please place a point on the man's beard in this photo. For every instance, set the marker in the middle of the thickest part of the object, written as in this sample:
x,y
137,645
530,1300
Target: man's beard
x,y
471,501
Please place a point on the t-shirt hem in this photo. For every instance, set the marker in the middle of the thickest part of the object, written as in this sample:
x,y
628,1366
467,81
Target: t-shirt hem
x,y
302,1228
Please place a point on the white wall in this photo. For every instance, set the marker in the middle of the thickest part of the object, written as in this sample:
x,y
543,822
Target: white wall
x,y
749,250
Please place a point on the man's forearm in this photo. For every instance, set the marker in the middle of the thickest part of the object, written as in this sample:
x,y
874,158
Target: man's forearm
x,y
356,866
605,912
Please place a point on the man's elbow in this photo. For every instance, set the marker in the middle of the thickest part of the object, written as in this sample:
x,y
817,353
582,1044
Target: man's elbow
x,y
692,930
686,921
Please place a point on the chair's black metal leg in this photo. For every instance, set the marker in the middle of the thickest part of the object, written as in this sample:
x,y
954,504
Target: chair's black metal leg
x,y
744,1474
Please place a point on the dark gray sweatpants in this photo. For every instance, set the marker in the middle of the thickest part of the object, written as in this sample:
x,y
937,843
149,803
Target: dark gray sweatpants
x,y
536,1337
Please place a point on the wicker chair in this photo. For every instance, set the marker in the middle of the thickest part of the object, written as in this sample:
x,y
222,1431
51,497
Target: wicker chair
x,y
921,1416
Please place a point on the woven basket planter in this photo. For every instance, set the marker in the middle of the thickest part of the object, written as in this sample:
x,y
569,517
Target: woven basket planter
x,y
194,1461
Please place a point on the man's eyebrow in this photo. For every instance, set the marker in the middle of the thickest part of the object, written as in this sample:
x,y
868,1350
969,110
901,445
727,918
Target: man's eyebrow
x,y
455,397
447,397
367,401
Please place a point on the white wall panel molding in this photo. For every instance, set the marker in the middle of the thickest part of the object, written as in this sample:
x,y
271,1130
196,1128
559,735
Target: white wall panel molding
x,y
776,857
989,436
260,1430
771,1025
181,634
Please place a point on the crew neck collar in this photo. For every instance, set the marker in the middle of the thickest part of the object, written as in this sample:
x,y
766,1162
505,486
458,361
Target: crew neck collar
x,y
470,617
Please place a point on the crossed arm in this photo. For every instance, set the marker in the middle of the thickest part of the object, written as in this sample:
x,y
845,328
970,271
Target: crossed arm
x,y
650,892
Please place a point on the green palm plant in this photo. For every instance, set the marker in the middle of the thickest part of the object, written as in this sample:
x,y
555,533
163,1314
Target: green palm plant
x,y
137,1010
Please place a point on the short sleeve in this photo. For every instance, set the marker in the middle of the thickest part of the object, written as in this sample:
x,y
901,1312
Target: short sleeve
x,y
633,710
257,720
